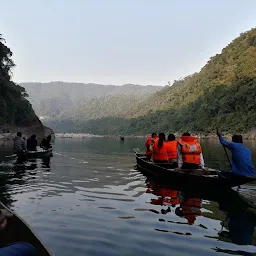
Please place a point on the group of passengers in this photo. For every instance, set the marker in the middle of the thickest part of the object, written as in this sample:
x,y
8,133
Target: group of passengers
x,y
20,147
186,153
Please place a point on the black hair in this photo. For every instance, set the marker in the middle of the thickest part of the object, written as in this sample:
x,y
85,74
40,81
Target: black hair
x,y
186,134
19,134
171,137
161,140
153,134
237,138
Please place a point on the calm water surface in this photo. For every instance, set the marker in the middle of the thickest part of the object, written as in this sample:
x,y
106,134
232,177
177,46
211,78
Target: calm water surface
x,y
89,200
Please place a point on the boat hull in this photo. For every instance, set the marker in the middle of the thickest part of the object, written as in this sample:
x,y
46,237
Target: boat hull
x,y
19,231
189,178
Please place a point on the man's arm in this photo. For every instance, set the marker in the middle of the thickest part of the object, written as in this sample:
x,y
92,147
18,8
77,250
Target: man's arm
x,y
180,160
225,143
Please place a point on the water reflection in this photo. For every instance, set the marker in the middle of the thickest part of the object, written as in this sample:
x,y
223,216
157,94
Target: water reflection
x,y
238,223
88,200
18,175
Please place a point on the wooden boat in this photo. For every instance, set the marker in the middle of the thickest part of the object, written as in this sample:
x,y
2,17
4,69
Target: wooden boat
x,y
197,178
18,230
39,153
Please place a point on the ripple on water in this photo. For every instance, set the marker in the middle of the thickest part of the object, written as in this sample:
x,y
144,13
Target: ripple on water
x,y
97,207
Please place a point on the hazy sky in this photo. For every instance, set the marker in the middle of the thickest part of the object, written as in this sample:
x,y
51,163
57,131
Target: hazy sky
x,y
119,41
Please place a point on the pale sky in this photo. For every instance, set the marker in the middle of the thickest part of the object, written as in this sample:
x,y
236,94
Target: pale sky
x,y
119,41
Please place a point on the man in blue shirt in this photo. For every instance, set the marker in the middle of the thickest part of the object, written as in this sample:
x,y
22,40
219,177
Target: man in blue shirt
x,y
241,156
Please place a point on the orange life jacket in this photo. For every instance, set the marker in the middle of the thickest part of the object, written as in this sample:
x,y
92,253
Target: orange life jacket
x,y
191,149
148,143
172,149
160,155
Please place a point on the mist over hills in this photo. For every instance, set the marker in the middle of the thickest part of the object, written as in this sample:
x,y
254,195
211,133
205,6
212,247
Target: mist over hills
x,y
58,100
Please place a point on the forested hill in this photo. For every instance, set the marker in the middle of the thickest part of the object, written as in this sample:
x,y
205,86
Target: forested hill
x,y
222,94
15,110
56,100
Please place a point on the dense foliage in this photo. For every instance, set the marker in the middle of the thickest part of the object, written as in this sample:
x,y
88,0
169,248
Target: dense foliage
x,y
222,94
61,100
14,107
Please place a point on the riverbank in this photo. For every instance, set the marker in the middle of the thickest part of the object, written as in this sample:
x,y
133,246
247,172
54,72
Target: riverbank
x,y
246,136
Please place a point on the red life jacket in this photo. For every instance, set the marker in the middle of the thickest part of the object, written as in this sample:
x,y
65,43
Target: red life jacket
x,y
160,154
148,143
172,149
190,149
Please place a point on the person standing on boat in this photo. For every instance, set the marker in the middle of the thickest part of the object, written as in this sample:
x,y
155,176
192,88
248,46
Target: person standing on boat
x,y
18,143
149,143
189,153
32,143
19,148
172,145
160,154
241,163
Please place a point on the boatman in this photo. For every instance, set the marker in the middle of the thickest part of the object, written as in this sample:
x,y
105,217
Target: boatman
x,y
189,153
149,143
19,148
241,155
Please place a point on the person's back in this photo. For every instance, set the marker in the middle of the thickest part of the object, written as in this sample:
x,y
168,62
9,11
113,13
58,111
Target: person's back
x,y
32,143
160,149
241,156
150,141
172,145
18,143
189,153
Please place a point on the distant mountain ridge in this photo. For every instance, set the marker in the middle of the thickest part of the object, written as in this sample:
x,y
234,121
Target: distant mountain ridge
x,y
221,95
56,100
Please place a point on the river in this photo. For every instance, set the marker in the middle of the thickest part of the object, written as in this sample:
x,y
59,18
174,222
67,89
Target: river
x,y
89,200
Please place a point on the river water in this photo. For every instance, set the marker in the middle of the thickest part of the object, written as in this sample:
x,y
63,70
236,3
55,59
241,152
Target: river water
x,y
89,200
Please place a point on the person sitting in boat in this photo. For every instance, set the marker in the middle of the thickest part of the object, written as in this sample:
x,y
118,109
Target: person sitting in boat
x,y
189,153
241,163
160,154
172,150
45,144
149,144
32,143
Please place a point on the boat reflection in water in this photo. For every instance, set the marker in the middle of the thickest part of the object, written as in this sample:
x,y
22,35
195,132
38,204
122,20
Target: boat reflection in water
x,y
183,205
238,221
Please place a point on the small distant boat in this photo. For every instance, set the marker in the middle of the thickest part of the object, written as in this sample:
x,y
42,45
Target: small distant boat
x,y
19,231
196,178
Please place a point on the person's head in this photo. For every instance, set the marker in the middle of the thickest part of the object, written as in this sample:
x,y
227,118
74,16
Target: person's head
x,y
171,137
161,139
19,134
49,137
237,138
154,135
33,136
186,134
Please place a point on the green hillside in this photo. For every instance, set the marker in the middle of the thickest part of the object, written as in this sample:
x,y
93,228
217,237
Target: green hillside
x,y
14,107
59,100
222,94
